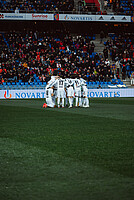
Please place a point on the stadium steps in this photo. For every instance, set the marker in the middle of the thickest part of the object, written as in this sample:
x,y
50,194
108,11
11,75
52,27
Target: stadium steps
x,y
99,47
76,4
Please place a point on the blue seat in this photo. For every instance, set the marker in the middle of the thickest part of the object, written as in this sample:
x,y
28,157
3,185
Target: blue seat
x,y
18,84
109,83
44,83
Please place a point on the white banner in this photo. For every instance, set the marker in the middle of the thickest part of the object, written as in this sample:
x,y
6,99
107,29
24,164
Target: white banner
x,y
73,17
64,17
40,93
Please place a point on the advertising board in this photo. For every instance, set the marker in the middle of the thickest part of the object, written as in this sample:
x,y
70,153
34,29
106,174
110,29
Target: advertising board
x,y
40,93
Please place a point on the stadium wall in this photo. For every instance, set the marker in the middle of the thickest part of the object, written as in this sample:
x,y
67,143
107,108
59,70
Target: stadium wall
x,y
40,93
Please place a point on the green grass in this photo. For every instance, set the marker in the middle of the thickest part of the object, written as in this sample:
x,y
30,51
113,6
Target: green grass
x,y
68,154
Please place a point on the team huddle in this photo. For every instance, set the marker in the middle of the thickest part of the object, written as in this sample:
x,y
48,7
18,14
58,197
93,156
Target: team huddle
x,y
64,91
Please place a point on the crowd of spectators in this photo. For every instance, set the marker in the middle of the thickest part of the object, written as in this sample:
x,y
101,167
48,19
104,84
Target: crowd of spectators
x,y
121,7
121,48
37,5
24,55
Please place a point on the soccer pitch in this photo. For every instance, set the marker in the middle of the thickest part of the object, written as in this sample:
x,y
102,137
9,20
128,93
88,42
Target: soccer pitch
x,y
67,154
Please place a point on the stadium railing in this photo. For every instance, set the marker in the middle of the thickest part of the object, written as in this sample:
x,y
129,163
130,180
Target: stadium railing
x,y
65,12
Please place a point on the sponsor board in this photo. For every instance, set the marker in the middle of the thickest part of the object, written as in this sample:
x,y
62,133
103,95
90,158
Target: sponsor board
x,y
65,17
77,17
42,16
92,93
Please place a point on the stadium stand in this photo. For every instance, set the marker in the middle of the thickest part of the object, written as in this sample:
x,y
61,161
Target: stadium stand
x,y
28,59
36,6
121,7
121,48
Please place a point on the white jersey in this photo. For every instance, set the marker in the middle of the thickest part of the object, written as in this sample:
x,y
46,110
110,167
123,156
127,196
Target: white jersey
x,y
49,92
70,87
59,84
69,83
77,84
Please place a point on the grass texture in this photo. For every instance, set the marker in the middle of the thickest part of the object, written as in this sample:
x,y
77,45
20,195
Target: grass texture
x,y
67,154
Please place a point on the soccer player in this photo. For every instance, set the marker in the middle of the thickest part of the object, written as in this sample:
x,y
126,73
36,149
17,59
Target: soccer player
x,y
60,91
70,91
49,95
77,89
85,96
66,97
60,85
52,84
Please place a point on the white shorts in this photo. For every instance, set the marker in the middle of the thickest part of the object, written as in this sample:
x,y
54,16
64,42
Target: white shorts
x,y
78,92
60,93
49,102
70,92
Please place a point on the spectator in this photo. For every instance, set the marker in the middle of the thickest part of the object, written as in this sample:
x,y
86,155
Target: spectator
x,y
132,79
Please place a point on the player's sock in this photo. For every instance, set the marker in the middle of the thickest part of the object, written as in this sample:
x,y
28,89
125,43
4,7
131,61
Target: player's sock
x,y
63,102
72,102
76,103
69,102
87,102
58,102
80,103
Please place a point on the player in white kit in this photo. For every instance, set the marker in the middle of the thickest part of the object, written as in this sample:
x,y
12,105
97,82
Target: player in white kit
x,y
66,98
51,83
85,96
60,85
77,89
49,95
70,91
